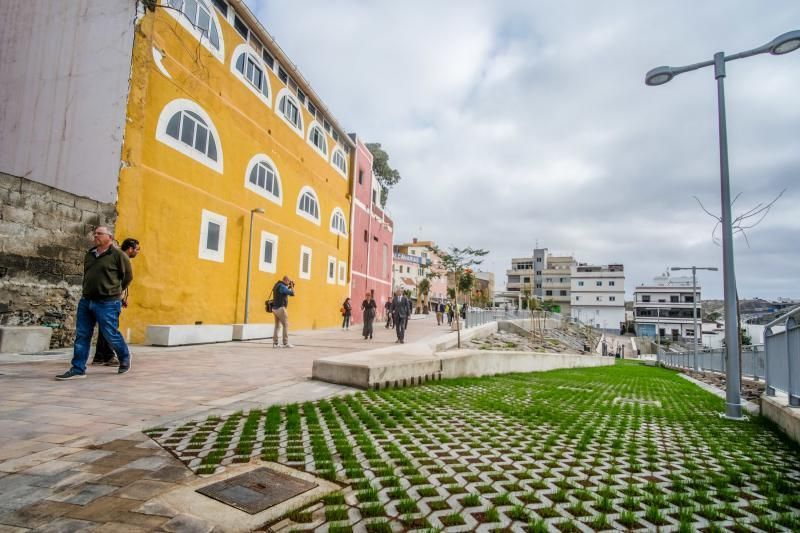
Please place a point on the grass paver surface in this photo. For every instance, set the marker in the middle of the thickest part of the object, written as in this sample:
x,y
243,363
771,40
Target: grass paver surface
x,y
610,448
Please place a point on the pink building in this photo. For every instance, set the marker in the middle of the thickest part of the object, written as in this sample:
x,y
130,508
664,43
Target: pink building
x,y
371,240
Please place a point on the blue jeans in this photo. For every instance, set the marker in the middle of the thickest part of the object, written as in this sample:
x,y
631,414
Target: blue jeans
x,y
106,315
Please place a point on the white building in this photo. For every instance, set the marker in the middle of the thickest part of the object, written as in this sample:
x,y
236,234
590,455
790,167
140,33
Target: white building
x,y
597,295
665,308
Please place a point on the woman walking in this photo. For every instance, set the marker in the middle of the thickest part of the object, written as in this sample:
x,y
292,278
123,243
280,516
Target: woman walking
x,y
347,309
369,307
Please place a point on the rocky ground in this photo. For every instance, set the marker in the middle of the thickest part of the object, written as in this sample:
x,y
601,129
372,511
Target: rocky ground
x,y
751,390
513,342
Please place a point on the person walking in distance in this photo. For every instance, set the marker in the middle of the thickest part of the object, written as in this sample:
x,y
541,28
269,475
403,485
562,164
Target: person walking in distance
x,y
103,354
399,308
439,313
347,310
280,301
106,275
370,307
388,309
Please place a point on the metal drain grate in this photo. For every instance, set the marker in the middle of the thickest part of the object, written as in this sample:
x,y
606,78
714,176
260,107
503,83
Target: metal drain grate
x,y
257,490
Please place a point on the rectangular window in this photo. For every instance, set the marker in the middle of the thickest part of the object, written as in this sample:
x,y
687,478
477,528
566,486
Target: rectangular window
x,y
327,125
598,283
268,59
331,278
312,109
241,27
612,298
212,236
335,136
342,273
611,283
548,293
282,74
538,259
222,7
674,299
562,293
305,262
360,176
689,332
688,299
599,298
385,260
645,298
580,284
268,257
255,43
301,96
577,298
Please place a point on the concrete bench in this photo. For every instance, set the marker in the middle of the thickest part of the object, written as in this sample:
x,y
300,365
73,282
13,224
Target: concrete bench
x,y
182,334
16,339
246,332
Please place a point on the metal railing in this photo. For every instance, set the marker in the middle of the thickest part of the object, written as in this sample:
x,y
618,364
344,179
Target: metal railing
x,y
783,356
478,317
753,360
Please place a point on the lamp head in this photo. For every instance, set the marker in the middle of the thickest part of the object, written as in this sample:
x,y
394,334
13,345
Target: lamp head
x,y
259,210
659,76
785,43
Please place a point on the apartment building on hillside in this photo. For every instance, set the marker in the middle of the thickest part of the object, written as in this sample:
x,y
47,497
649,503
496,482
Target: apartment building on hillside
x,y
665,308
597,295
556,281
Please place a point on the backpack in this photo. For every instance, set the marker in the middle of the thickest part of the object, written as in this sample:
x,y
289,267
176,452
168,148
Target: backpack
x,y
268,303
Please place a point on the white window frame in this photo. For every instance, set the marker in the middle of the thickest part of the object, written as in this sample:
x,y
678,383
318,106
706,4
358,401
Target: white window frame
x,y
338,151
331,263
182,104
342,273
580,284
264,266
183,20
612,298
204,252
247,49
304,214
305,250
264,158
288,94
338,231
322,152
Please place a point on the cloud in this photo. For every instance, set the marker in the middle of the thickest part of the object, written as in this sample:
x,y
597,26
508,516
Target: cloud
x,y
517,121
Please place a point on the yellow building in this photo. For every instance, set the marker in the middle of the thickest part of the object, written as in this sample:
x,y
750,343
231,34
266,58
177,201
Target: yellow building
x,y
218,125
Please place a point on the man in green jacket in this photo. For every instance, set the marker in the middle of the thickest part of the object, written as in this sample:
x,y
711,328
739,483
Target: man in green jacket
x,y
106,275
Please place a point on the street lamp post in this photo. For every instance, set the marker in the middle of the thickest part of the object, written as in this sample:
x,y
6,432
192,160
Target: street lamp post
x,y
249,261
783,44
694,270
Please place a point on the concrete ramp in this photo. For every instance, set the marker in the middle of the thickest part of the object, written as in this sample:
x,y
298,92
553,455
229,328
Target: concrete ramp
x,y
414,363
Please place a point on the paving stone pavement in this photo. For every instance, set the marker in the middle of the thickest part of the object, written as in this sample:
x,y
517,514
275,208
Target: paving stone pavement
x,y
72,455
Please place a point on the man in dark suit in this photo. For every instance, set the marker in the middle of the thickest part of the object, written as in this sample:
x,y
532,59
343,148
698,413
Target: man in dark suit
x,y
400,311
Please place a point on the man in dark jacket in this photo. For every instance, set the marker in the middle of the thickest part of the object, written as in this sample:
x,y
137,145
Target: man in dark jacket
x,y
103,354
280,301
106,275
400,311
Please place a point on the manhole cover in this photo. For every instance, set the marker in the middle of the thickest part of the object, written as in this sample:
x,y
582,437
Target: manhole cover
x,y
257,490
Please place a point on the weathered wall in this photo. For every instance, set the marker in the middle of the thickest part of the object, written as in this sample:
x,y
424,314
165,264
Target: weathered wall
x,y
64,71
44,233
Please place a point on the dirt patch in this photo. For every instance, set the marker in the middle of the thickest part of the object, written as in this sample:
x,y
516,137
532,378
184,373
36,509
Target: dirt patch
x,y
751,390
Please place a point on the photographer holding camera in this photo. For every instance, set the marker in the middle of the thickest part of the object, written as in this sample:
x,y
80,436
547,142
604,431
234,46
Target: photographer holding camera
x,y
280,301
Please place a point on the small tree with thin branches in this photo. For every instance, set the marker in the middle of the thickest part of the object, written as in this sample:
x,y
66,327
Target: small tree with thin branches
x,y
456,262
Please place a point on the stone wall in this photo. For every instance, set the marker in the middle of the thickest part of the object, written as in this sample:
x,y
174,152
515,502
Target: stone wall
x,y
44,233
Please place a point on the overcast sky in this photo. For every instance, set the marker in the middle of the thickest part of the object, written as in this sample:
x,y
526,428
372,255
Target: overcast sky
x,y
517,122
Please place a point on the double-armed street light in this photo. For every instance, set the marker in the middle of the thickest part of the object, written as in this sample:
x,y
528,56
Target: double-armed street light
x,y
783,44
260,211
697,332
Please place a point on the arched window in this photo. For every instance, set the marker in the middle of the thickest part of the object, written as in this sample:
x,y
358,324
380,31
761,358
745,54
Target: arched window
x,y
289,111
308,206
248,67
339,161
316,138
186,127
198,17
338,224
262,178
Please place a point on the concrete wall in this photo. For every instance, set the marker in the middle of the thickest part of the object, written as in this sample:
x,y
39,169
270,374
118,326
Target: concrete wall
x,y
776,408
44,233
64,71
